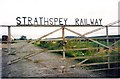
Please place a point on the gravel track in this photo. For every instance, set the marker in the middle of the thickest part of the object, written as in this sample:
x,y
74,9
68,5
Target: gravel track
x,y
41,65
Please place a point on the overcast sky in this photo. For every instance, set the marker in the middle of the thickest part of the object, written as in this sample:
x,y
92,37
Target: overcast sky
x,y
10,9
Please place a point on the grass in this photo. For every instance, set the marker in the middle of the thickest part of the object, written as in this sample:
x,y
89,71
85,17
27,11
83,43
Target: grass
x,y
74,44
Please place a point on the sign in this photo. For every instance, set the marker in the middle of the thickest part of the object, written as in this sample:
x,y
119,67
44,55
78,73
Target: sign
x,y
56,21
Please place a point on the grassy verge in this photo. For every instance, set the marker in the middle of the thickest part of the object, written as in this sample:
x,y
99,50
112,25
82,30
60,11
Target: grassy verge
x,y
75,44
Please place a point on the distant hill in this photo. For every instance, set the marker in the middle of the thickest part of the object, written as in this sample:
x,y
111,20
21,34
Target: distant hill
x,y
94,36
105,36
110,36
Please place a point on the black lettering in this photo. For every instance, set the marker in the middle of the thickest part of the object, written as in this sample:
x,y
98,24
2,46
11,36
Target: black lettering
x,y
24,20
92,21
18,21
81,22
96,22
100,21
76,21
65,19
40,20
55,20
35,21
51,22
85,22
46,21
29,21
60,21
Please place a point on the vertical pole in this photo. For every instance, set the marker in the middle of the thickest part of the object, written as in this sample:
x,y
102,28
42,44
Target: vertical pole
x,y
9,39
108,45
63,37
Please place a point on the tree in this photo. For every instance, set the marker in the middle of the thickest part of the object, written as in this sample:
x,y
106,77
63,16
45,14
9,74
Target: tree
x,y
23,37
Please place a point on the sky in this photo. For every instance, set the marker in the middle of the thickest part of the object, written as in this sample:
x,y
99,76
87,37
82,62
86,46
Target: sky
x,y
10,9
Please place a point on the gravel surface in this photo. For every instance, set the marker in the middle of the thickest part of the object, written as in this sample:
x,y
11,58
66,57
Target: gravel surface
x,y
41,65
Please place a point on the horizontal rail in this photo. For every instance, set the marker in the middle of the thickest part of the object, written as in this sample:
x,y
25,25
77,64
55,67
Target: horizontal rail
x,y
93,70
78,49
102,63
73,49
58,25
48,25
23,25
25,57
82,57
39,60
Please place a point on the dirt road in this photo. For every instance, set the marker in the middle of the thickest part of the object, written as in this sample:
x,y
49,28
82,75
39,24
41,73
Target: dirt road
x,y
41,65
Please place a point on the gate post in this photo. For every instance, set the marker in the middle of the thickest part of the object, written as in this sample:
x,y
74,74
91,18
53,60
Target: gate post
x,y
108,45
9,39
63,37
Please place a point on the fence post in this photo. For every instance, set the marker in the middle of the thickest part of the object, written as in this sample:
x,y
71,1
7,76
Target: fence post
x,y
108,45
63,37
9,39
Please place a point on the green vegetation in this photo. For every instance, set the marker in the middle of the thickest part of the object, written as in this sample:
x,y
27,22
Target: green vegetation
x,y
89,49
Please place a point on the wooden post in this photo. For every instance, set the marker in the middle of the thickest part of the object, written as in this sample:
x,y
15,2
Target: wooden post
x,y
63,37
108,45
9,39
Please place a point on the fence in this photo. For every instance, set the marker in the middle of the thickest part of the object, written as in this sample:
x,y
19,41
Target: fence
x,y
103,47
